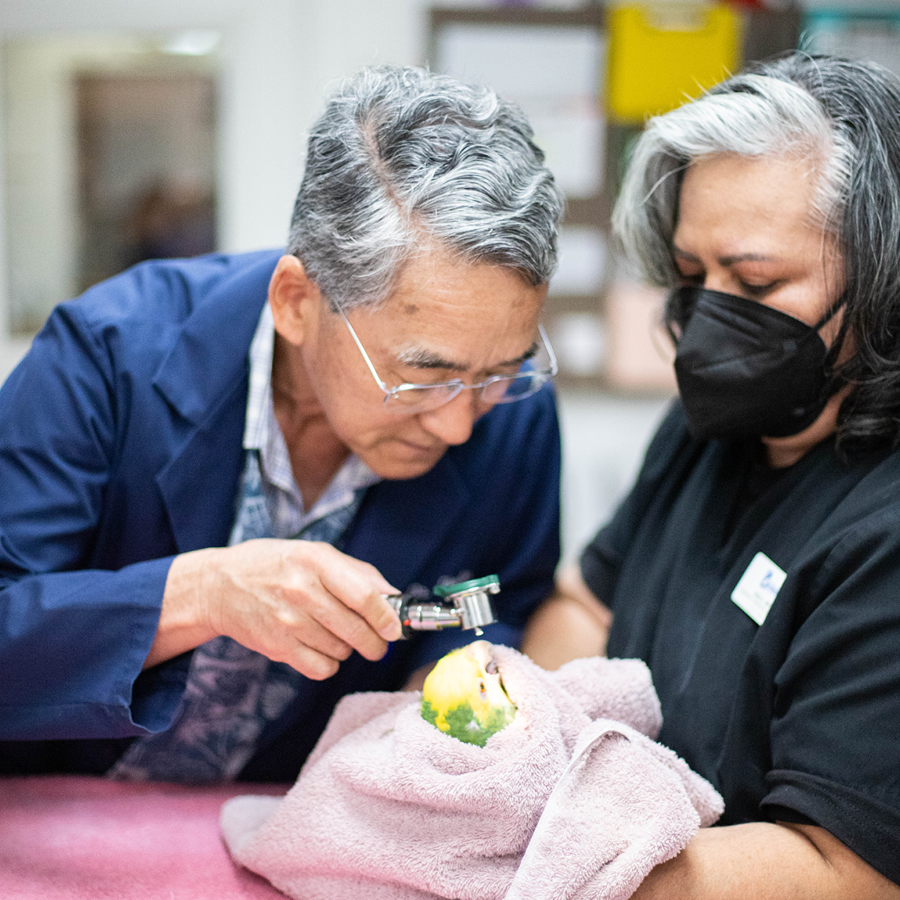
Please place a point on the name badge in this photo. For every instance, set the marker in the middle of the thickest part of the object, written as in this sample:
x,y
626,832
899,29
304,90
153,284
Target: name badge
x,y
759,586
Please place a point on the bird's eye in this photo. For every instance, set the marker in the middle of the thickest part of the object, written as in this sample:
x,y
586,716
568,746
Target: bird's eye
x,y
481,687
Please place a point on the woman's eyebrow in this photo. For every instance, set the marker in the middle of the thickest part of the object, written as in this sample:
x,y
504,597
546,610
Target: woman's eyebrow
x,y
420,358
744,257
729,260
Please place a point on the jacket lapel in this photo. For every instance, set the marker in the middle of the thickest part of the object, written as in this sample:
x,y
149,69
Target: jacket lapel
x,y
200,483
204,382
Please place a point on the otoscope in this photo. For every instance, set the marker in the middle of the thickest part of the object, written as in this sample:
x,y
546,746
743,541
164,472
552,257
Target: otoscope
x,y
466,604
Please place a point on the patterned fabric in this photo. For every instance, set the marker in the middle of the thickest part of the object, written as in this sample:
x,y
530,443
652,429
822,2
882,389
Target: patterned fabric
x,y
232,693
287,513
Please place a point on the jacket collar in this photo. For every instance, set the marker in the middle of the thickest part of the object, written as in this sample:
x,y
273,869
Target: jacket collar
x,y
210,353
203,379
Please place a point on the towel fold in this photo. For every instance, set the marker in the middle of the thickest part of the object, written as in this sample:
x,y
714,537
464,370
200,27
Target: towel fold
x,y
572,800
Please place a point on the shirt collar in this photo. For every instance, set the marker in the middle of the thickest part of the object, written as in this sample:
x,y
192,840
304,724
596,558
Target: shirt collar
x,y
259,395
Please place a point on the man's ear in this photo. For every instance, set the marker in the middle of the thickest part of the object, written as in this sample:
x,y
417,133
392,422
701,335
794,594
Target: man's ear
x,y
295,300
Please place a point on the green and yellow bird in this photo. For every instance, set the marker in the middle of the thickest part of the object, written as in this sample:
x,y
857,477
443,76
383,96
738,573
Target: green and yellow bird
x,y
464,696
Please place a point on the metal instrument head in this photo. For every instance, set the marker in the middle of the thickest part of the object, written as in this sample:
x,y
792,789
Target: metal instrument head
x,y
467,605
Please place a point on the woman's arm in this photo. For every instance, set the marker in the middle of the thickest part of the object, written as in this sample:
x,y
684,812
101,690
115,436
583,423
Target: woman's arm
x,y
570,624
766,861
759,860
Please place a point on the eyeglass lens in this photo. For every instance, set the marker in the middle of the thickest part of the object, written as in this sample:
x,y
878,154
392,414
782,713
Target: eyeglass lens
x,y
500,390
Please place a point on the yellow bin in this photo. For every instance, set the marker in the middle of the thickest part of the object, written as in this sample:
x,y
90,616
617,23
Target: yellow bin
x,y
661,54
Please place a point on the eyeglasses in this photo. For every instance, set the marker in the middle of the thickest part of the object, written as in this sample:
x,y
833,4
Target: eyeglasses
x,y
416,398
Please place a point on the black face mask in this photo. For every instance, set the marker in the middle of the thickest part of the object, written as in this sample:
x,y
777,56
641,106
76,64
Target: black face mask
x,y
747,370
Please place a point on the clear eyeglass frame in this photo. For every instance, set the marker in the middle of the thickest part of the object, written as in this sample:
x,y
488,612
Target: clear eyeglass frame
x,y
416,398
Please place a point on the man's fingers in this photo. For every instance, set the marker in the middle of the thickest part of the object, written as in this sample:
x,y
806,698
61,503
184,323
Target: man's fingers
x,y
311,663
317,647
349,626
359,587
303,603
312,630
382,617
330,624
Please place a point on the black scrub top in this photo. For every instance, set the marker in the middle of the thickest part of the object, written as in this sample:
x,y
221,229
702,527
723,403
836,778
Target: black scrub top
x,y
797,718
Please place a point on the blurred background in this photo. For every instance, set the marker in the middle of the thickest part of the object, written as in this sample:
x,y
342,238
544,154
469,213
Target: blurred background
x,y
175,127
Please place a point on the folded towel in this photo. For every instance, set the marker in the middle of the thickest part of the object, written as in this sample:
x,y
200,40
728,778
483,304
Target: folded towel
x,y
571,800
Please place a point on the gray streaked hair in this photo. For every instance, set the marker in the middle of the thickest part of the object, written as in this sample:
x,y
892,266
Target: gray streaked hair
x,y
751,115
842,116
404,160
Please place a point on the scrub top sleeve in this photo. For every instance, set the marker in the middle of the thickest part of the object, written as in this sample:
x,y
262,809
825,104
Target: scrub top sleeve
x,y
602,558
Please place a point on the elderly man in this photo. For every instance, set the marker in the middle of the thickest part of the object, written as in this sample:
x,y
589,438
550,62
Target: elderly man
x,y
171,432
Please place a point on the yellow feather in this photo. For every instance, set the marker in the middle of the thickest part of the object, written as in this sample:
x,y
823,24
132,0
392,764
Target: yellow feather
x,y
463,678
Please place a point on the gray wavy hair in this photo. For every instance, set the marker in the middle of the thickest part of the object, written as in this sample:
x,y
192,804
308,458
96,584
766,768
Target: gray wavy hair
x,y
403,159
751,115
841,115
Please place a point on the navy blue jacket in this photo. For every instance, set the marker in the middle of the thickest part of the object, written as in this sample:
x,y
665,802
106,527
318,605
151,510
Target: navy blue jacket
x,y
120,446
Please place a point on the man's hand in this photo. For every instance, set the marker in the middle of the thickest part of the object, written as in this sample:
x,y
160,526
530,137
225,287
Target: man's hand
x,y
299,602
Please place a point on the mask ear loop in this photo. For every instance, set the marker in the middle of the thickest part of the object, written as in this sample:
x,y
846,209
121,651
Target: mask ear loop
x,y
834,380
830,313
677,312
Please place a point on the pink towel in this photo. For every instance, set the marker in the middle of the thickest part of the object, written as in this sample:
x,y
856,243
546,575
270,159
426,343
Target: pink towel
x,y
571,800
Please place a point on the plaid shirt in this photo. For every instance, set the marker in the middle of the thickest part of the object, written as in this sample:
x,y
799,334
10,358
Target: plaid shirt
x,y
263,434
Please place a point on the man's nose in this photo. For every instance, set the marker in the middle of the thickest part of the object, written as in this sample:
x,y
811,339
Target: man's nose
x,y
453,421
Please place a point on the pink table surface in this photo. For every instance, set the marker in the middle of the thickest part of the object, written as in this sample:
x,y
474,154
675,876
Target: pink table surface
x,y
75,838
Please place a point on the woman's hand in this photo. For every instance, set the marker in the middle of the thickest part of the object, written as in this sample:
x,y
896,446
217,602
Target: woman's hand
x,y
298,602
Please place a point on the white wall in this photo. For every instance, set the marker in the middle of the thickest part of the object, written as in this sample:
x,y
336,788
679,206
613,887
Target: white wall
x,y
278,65
279,57
603,442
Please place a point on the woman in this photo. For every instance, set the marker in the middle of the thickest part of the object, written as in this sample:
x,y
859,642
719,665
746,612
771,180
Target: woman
x,y
755,566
